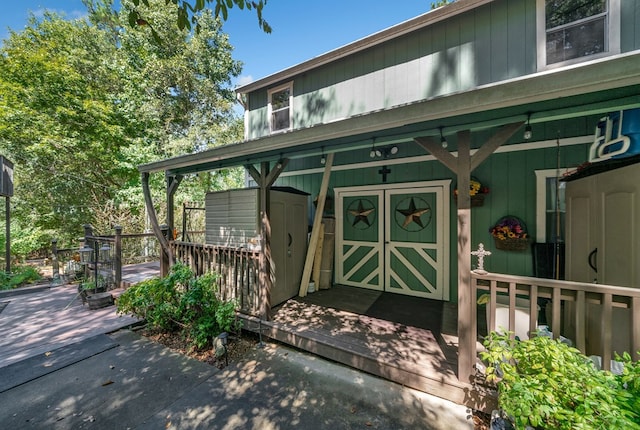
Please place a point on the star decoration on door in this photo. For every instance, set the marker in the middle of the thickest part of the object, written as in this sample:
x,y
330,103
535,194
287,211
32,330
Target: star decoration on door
x,y
413,214
361,214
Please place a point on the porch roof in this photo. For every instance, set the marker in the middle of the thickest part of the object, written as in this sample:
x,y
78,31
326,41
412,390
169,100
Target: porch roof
x,y
594,87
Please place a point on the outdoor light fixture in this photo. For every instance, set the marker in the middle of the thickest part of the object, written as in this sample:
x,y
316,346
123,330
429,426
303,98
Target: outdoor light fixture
x,y
323,160
105,253
86,254
443,141
527,129
383,152
374,152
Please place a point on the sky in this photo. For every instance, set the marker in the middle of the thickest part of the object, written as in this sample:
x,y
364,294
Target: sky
x,y
301,29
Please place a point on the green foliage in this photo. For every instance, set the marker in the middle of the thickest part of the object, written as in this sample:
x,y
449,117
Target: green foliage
x,y
440,3
84,102
546,384
187,12
181,302
19,277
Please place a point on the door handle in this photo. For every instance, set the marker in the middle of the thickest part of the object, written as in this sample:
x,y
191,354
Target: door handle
x,y
593,263
290,239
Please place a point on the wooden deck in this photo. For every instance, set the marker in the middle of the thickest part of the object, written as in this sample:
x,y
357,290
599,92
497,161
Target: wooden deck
x,y
407,340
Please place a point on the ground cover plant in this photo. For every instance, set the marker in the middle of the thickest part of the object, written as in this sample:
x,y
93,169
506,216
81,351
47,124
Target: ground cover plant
x,y
181,303
19,277
546,384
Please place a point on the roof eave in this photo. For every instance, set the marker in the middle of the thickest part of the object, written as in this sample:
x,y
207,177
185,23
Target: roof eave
x,y
598,75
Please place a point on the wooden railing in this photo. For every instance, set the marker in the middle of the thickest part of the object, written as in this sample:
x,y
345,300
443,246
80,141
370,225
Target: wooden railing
x,y
598,319
237,270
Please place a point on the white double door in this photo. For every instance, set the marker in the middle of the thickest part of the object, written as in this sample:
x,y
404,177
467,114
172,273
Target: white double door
x,y
394,238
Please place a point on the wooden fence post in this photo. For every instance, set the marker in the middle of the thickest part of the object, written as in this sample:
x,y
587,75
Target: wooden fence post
x,y
117,258
54,260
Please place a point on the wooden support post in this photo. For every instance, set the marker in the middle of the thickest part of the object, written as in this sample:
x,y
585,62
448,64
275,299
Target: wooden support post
x,y
266,278
315,230
173,181
117,258
166,260
463,165
265,179
151,211
467,309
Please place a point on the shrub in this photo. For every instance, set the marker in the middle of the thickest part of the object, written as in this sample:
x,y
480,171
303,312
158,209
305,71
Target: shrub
x,y
544,383
181,302
19,276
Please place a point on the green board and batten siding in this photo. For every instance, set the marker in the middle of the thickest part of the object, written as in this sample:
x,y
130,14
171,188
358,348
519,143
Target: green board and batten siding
x,y
509,175
449,56
491,43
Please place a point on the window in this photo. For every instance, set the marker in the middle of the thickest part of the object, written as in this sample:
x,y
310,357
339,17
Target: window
x,y
550,217
280,101
573,30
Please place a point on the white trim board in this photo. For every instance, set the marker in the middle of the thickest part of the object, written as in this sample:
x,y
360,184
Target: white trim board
x,y
528,146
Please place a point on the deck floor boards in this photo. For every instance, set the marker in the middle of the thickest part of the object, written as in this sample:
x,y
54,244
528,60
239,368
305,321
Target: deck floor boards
x,y
334,323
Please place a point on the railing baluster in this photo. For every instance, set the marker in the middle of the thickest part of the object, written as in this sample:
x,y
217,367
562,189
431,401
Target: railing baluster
x,y
556,303
605,330
533,310
492,306
635,328
512,308
580,321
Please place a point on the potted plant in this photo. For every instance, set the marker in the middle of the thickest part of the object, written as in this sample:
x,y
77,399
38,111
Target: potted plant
x,y
477,192
510,234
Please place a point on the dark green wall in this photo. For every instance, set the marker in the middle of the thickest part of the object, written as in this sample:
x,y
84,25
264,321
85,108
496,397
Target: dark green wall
x,y
509,175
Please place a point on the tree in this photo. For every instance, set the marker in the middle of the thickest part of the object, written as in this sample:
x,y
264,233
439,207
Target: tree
x,y
440,3
60,122
187,12
84,102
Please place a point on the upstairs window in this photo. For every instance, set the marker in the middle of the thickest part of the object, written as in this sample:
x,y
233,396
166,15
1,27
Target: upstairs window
x,y
572,30
280,102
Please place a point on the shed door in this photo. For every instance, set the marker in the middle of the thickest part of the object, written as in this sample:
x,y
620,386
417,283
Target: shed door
x,y
393,239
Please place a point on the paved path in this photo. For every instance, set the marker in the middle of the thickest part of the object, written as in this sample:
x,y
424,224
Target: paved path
x,y
59,370
142,385
46,318
36,323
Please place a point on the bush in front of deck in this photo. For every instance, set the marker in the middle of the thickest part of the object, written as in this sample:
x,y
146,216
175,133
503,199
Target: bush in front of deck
x,y
546,384
181,302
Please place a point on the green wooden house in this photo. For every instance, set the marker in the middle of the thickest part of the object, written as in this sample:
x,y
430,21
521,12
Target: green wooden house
x,y
503,96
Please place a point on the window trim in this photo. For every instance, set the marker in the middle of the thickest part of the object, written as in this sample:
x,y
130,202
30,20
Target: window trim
x,y
612,36
541,198
270,92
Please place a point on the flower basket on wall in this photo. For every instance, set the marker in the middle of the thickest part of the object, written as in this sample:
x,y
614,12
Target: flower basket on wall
x,y
510,234
477,192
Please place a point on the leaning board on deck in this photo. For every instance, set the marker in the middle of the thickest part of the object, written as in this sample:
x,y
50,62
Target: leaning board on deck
x,y
326,266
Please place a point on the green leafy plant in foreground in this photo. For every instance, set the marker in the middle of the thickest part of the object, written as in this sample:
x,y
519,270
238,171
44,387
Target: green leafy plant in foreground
x,y
181,302
19,276
546,384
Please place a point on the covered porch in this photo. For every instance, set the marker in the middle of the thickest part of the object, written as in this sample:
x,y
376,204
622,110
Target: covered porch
x,y
439,358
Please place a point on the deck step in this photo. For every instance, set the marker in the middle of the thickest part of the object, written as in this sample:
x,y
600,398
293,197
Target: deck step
x,y
413,361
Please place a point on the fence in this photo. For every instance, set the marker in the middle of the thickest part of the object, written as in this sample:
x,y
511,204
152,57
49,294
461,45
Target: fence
x,y
101,257
599,319
237,270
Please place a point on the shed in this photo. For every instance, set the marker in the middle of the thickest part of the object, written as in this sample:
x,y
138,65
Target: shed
x,y
232,220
